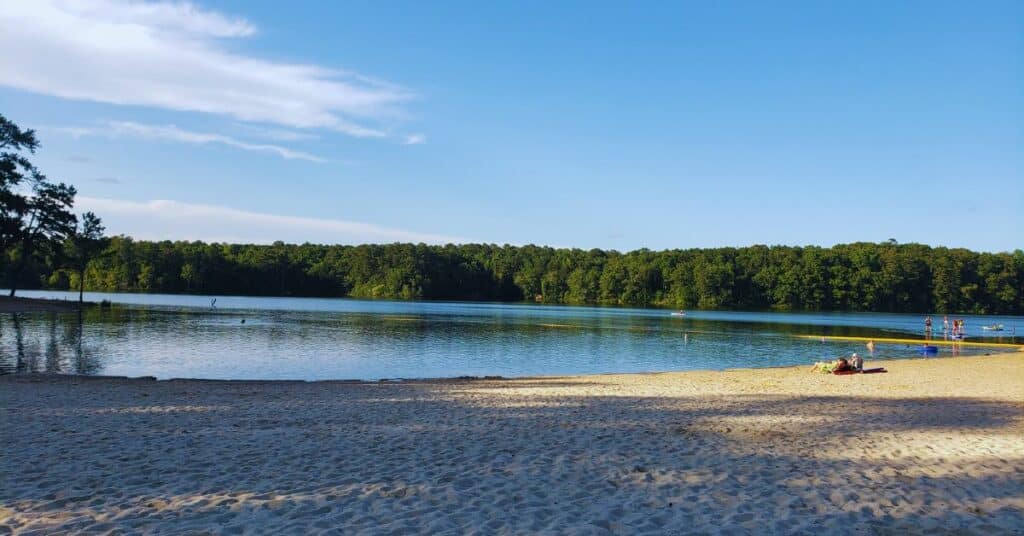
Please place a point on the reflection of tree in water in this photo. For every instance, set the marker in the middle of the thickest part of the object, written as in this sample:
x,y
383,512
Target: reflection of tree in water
x,y
8,359
53,363
85,358
50,343
25,355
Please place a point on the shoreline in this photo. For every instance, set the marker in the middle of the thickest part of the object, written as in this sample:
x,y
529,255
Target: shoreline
x,y
44,377
608,306
18,304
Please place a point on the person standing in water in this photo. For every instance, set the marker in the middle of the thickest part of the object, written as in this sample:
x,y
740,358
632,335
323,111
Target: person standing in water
x,y
928,327
871,348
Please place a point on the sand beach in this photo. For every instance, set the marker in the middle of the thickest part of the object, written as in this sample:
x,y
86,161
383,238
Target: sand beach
x,y
934,446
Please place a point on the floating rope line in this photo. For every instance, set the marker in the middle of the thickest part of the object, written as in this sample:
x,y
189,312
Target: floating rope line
x,y
931,342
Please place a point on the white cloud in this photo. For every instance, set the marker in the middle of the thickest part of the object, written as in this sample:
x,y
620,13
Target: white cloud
x,y
172,133
276,134
171,56
415,139
173,220
178,16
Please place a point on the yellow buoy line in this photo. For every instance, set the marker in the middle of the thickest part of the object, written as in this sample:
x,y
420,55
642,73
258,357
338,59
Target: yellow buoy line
x,y
932,342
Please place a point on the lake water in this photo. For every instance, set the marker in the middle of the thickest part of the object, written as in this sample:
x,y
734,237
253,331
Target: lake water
x,y
180,336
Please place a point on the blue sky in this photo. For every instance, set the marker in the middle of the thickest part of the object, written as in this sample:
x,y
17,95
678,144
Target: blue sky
x,y
658,125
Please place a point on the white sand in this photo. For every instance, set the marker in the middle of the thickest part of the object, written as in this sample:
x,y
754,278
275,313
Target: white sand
x,y
932,447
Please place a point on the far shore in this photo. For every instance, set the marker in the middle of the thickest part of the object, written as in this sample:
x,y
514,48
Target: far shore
x,y
18,304
933,445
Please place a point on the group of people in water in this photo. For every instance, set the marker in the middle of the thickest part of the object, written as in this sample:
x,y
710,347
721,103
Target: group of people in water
x,y
959,331
955,330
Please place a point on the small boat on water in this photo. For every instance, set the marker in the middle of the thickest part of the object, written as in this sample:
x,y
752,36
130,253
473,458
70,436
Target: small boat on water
x,y
678,313
993,327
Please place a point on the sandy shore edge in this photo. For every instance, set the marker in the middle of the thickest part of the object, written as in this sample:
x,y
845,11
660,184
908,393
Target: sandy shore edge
x,y
887,363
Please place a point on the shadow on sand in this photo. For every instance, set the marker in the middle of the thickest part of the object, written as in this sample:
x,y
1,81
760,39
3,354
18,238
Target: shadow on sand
x,y
453,457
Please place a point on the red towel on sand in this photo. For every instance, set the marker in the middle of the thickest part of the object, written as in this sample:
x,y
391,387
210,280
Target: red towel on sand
x,y
865,371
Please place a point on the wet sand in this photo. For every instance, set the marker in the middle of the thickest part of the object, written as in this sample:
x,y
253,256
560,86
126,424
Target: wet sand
x,y
934,446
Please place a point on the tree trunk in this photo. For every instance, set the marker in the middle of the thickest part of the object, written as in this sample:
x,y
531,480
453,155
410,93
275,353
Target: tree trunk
x,y
81,284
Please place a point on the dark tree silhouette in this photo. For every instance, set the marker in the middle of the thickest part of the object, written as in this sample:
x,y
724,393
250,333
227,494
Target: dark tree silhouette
x,y
85,243
16,173
34,212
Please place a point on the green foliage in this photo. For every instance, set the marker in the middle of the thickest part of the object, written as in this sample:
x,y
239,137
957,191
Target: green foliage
x,y
36,220
850,277
85,243
35,214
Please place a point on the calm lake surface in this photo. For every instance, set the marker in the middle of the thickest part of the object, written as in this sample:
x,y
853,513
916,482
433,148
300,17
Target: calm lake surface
x,y
181,336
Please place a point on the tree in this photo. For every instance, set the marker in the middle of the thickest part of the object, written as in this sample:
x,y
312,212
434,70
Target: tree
x,y
34,212
15,171
47,222
84,244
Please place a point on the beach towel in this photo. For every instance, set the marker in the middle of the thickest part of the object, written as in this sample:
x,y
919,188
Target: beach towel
x,y
865,371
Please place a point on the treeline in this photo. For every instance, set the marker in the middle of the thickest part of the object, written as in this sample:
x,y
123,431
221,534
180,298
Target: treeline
x,y
881,277
43,244
37,220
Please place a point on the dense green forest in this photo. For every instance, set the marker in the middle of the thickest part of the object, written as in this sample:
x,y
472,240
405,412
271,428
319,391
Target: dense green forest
x,y
44,244
852,277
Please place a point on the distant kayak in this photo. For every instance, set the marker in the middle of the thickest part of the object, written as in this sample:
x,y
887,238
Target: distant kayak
x,y
993,327
678,313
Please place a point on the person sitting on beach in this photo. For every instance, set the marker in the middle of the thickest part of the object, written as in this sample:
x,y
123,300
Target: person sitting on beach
x,y
856,362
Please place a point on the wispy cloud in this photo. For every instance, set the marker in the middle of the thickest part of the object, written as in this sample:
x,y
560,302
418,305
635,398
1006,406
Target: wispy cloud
x,y
175,16
414,139
171,55
114,129
173,220
276,134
